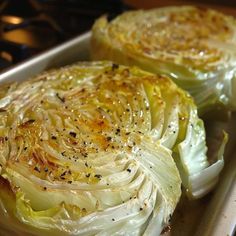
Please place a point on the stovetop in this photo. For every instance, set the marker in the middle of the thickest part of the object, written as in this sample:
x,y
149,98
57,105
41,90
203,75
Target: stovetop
x,y
28,27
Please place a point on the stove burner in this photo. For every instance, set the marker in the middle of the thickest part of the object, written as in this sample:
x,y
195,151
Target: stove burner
x,y
5,60
30,32
31,26
16,52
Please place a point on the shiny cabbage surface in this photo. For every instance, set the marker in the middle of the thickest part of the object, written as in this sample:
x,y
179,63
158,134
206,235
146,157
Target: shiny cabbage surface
x,y
196,47
92,148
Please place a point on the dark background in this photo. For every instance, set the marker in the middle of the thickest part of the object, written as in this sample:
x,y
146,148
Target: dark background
x,y
228,6
148,3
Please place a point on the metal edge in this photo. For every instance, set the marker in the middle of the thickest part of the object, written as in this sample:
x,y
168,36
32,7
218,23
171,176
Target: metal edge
x,y
65,53
220,216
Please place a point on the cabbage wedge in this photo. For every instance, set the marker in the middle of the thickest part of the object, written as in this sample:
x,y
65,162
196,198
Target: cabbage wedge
x,y
196,47
98,149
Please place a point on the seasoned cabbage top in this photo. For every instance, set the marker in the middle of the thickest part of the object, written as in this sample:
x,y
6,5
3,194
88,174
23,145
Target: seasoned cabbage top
x,y
196,36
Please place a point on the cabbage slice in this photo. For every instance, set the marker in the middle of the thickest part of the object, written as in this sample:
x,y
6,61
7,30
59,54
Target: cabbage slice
x,y
98,149
194,46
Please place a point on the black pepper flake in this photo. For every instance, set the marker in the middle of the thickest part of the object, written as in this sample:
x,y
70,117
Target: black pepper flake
x,y
174,131
28,122
44,188
113,219
129,170
25,148
69,182
117,131
60,98
86,164
140,208
62,177
37,169
46,169
54,137
109,138
114,66
127,110
98,176
88,175
63,153
63,174
85,154
128,133
100,123
73,134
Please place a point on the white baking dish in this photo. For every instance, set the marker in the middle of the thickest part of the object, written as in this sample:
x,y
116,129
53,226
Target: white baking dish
x,y
214,215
